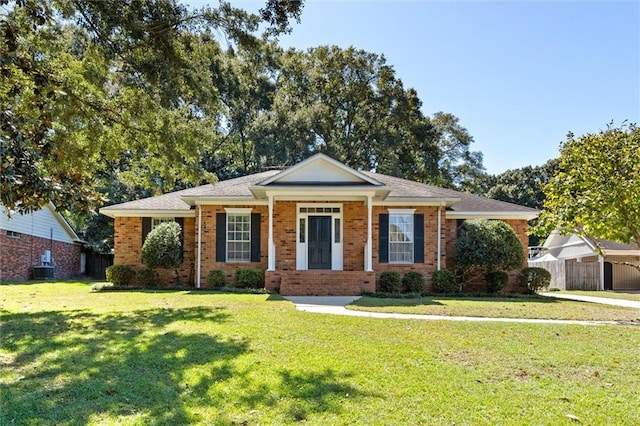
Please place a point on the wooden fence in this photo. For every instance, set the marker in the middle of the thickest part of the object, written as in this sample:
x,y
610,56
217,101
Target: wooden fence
x,y
572,275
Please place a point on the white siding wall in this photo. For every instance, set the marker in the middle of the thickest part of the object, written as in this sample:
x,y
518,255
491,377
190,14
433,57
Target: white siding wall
x,y
38,224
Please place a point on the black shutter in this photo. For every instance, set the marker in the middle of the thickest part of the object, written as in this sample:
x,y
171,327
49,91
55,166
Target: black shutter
x,y
383,238
255,237
221,237
418,238
146,228
180,221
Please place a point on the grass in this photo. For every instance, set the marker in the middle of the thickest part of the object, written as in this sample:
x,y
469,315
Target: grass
x,y
73,357
607,294
537,307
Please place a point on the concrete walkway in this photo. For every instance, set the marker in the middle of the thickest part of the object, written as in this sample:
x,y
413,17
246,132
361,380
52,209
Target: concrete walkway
x,y
594,299
335,305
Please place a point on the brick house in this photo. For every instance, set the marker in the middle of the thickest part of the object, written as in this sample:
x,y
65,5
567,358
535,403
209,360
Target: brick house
x,y
316,228
41,239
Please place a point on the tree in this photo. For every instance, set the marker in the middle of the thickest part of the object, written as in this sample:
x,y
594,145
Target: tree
x,y
595,190
486,246
163,248
86,83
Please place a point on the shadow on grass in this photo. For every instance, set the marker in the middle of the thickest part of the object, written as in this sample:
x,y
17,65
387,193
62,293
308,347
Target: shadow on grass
x,y
441,300
74,367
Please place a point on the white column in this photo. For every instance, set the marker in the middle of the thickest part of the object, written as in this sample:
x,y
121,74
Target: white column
x,y
271,248
439,235
199,246
369,260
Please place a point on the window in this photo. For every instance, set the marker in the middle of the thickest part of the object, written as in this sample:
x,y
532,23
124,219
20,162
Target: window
x,y
400,238
238,237
13,234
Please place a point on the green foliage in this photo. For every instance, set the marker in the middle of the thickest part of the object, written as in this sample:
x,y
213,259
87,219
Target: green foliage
x,y
163,247
595,190
535,279
147,277
120,275
390,282
496,280
487,245
250,278
413,282
444,281
216,278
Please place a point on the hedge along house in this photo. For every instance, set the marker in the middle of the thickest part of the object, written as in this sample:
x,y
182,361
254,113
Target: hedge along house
x,y
316,228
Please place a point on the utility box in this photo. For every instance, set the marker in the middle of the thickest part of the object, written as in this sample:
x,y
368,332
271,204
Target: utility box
x,y
42,272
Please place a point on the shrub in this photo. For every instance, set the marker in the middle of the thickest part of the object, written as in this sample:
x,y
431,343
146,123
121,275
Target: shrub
x,y
216,278
163,248
496,280
535,279
250,278
413,282
147,277
120,275
485,246
444,281
390,282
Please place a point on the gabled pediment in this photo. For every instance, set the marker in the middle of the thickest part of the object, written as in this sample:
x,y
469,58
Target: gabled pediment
x,y
320,170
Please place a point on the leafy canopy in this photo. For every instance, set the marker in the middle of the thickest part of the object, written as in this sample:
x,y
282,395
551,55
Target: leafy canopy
x,y
596,189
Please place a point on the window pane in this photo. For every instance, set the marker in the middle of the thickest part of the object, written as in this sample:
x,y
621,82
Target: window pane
x,y
238,237
337,230
302,230
401,238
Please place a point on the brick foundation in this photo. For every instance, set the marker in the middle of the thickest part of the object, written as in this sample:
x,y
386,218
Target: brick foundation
x,y
19,255
320,283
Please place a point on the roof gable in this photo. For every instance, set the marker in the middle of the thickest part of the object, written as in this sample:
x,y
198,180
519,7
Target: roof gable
x,y
318,170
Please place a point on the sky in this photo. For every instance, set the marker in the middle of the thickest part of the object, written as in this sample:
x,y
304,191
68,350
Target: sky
x,y
519,75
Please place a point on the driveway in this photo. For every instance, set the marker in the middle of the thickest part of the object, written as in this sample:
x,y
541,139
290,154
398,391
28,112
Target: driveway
x,y
335,305
594,299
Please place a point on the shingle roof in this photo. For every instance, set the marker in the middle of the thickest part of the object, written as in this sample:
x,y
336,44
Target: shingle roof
x,y
400,189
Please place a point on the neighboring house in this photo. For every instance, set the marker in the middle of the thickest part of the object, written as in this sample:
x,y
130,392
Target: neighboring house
x,y
42,240
575,263
316,228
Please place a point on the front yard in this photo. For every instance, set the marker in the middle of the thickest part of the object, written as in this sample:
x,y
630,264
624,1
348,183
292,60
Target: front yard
x,y
72,356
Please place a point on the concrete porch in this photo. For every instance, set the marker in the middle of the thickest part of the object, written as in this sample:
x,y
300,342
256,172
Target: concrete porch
x,y
320,282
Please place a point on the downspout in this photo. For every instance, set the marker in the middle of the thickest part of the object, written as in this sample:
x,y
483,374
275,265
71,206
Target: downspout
x,y
439,235
199,246
369,262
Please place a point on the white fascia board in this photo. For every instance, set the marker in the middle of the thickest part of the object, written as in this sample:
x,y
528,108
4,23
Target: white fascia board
x,y
622,252
147,213
305,193
492,215
65,224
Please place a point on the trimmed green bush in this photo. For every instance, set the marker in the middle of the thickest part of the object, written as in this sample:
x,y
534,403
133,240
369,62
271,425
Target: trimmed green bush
x,y
120,275
390,282
163,248
147,277
444,281
216,278
250,278
413,282
535,279
496,280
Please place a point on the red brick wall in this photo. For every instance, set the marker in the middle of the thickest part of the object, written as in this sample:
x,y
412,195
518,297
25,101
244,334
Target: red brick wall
x,y
127,242
19,255
430,243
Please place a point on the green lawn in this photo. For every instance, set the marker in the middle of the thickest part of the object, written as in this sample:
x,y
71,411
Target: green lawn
x,y
73,357
496,307
607,294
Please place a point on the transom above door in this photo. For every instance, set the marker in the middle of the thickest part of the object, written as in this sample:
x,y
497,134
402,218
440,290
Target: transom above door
x,y
319,237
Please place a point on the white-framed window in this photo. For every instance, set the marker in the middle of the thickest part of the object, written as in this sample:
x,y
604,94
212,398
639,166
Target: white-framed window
x,y
156,221
13,234
238,236
401,237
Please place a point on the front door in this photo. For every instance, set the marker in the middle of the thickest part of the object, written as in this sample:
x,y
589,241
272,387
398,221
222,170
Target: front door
x,y
608,276
319,242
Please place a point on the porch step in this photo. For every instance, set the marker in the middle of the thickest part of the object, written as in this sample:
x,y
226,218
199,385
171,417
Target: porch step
x,y
325,283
